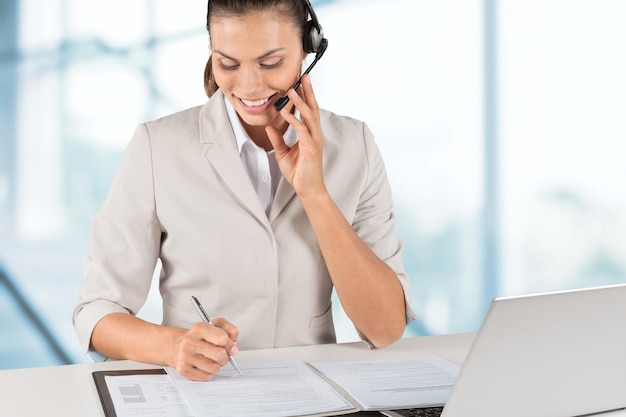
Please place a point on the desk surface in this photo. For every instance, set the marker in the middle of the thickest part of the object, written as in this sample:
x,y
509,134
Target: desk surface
x,y
69,391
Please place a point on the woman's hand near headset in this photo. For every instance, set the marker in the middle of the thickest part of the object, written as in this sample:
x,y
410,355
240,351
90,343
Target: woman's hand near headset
x,y
368,289
301,165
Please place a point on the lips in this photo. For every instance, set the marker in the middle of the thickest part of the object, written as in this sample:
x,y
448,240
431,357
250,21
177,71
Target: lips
x,y
256,106
255,103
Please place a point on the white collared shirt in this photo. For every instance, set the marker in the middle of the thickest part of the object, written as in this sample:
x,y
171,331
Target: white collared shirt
x,y
261,166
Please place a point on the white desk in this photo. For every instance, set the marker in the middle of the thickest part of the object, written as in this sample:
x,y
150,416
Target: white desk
x,y
69,391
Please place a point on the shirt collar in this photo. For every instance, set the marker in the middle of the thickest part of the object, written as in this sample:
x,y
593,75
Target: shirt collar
x,y
241,136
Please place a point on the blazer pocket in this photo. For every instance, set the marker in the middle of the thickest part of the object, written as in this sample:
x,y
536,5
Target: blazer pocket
x,y
323,319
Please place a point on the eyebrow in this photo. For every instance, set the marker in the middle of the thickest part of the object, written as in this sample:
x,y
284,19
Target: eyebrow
x,y
268,53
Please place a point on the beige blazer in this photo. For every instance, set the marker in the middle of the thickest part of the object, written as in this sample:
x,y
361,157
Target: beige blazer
x,y
182,195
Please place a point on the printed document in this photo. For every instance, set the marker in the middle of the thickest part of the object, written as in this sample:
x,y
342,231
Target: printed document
x,y
146,396
280,389
380,385
264,390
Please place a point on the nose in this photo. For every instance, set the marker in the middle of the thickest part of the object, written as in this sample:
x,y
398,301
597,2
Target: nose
x,y
250,81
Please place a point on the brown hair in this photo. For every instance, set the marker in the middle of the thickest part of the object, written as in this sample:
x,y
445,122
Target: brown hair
x,y
292,9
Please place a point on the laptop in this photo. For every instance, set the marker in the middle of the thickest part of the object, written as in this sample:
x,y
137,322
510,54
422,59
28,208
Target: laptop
x,y
557,354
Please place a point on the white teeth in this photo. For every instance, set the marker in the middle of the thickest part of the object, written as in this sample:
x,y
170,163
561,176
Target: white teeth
x,y
255,103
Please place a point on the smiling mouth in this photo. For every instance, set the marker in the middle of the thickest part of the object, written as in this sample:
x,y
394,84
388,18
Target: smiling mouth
x,y
256,103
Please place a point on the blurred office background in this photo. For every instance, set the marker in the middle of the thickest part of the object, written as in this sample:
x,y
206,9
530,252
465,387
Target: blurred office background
x,y
501,123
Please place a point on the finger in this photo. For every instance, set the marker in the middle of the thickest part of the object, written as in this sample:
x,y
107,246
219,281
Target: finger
x,y
309,94
231,331
198,359
300,126
291,118
213,336
310,123
300,90
299,102
209,357
204,339
198,369
304,100
277,140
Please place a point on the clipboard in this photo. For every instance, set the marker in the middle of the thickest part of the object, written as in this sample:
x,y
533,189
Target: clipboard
x,y
103,389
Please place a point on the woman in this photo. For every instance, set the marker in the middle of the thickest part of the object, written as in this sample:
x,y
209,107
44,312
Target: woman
x,y
256,212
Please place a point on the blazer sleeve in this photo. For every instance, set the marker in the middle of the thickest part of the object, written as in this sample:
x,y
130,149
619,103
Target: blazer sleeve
x,y
374,220
124,243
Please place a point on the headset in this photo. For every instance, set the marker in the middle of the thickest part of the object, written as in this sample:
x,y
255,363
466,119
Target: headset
x,y
313,41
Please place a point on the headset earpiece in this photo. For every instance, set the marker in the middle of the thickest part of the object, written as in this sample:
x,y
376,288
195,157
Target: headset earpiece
x,y
312,37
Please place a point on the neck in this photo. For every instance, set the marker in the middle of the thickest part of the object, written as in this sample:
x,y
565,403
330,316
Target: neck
x,y
258,134
259,137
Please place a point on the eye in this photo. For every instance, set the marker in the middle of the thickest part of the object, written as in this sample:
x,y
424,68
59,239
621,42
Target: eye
x,y
228,64
271,64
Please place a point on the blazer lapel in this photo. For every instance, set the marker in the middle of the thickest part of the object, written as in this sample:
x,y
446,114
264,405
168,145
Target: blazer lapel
x,y
215,130
284,194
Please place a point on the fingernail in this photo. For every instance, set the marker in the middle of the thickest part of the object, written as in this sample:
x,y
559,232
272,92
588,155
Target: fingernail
x,y
234,349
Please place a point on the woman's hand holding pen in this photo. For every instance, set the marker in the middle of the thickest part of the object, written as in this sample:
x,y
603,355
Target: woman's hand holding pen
x,y
204,349
301,164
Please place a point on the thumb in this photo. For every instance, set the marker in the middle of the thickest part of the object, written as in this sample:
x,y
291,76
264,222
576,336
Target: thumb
x,y
277,140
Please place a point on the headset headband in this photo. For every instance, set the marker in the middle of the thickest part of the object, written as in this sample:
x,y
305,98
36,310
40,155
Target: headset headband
x,y
309,8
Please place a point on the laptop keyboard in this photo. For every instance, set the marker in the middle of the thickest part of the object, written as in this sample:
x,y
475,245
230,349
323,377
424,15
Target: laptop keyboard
x,y
420,412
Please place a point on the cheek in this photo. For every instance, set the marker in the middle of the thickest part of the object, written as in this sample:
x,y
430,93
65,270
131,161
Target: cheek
x,y
224,79
293,73
282,79
287,78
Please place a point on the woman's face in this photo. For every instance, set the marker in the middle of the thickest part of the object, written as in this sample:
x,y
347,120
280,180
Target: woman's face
x,y
256,59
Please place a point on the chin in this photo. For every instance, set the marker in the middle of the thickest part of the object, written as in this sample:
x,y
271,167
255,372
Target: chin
x,y
260,120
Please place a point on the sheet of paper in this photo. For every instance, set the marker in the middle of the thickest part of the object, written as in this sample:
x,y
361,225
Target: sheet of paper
x,y
264,390
146,396
389,384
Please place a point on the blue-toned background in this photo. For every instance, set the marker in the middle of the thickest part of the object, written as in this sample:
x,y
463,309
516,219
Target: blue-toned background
x,y
501,123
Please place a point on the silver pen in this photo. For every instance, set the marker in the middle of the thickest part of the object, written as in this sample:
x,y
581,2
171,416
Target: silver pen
x,y
207,319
